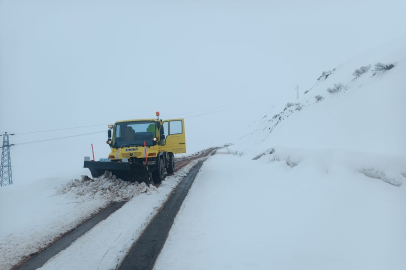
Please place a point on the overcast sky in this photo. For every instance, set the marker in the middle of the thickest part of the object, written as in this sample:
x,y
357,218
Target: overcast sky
x,y
74,63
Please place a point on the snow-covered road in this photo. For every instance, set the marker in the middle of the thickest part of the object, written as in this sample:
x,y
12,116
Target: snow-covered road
x,y
106,245
58,205
245,214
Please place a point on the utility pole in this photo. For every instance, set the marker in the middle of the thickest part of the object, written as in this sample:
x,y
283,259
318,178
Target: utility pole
x,y
5,164
297,91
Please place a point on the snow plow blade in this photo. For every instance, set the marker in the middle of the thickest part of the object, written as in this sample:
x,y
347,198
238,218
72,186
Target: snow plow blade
x,y
133,172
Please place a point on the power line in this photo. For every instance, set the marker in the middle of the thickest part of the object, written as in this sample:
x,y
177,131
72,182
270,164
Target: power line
x,y
225,109
213,112
233,107
243,104
59,138
31,132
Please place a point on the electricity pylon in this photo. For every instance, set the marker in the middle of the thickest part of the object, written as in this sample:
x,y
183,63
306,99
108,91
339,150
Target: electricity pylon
x,y
6,177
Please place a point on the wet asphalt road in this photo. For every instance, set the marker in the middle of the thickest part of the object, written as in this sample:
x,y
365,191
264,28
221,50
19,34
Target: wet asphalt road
x,y
145,251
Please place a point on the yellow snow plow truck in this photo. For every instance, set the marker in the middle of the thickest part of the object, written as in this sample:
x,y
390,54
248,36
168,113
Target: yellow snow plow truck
x,y
141,150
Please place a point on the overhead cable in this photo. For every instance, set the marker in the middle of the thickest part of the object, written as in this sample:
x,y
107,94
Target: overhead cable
x,y
32,132
223,109
242,104
59,138
226,108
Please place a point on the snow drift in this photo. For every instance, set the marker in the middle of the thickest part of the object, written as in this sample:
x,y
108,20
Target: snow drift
x,y
317,184
356,110
35,215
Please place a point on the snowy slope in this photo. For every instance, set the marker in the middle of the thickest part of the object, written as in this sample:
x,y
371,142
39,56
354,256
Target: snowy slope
x,y
364,119
312,185
366,116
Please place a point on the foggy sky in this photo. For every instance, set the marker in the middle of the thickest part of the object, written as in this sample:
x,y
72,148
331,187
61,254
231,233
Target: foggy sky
x,y
76,63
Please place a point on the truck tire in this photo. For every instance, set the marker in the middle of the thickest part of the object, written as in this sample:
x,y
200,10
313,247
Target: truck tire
x,y
159,174
171,164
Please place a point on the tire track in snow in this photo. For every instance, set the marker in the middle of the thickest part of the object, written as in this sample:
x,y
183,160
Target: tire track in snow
x,y
39,259
148,246
62,243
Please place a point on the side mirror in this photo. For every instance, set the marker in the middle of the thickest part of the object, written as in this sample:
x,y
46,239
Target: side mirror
x,y
109,137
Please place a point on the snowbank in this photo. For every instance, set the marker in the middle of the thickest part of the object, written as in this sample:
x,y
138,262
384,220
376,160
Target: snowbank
x,y
388,168
105,246
106,187
34,215
269,214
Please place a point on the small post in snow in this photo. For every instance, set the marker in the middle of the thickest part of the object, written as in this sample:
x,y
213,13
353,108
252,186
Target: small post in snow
x,y
297,91
93,152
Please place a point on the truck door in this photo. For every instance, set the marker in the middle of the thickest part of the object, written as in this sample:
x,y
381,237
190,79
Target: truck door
x,y
175,140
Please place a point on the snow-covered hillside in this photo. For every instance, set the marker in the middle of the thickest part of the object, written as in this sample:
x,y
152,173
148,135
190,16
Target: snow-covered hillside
x,y
360,123
315,184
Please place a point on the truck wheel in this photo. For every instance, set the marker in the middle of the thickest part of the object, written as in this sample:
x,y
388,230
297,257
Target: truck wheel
x,y
159,174
171,164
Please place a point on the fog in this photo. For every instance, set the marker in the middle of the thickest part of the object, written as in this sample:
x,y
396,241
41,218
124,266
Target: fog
x,y
218,64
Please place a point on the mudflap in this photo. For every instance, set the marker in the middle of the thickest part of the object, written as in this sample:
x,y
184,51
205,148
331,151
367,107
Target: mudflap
x,y
132,172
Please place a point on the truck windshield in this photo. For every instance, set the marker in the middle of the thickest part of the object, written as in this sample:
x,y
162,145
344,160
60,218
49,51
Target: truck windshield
x,y
134,134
